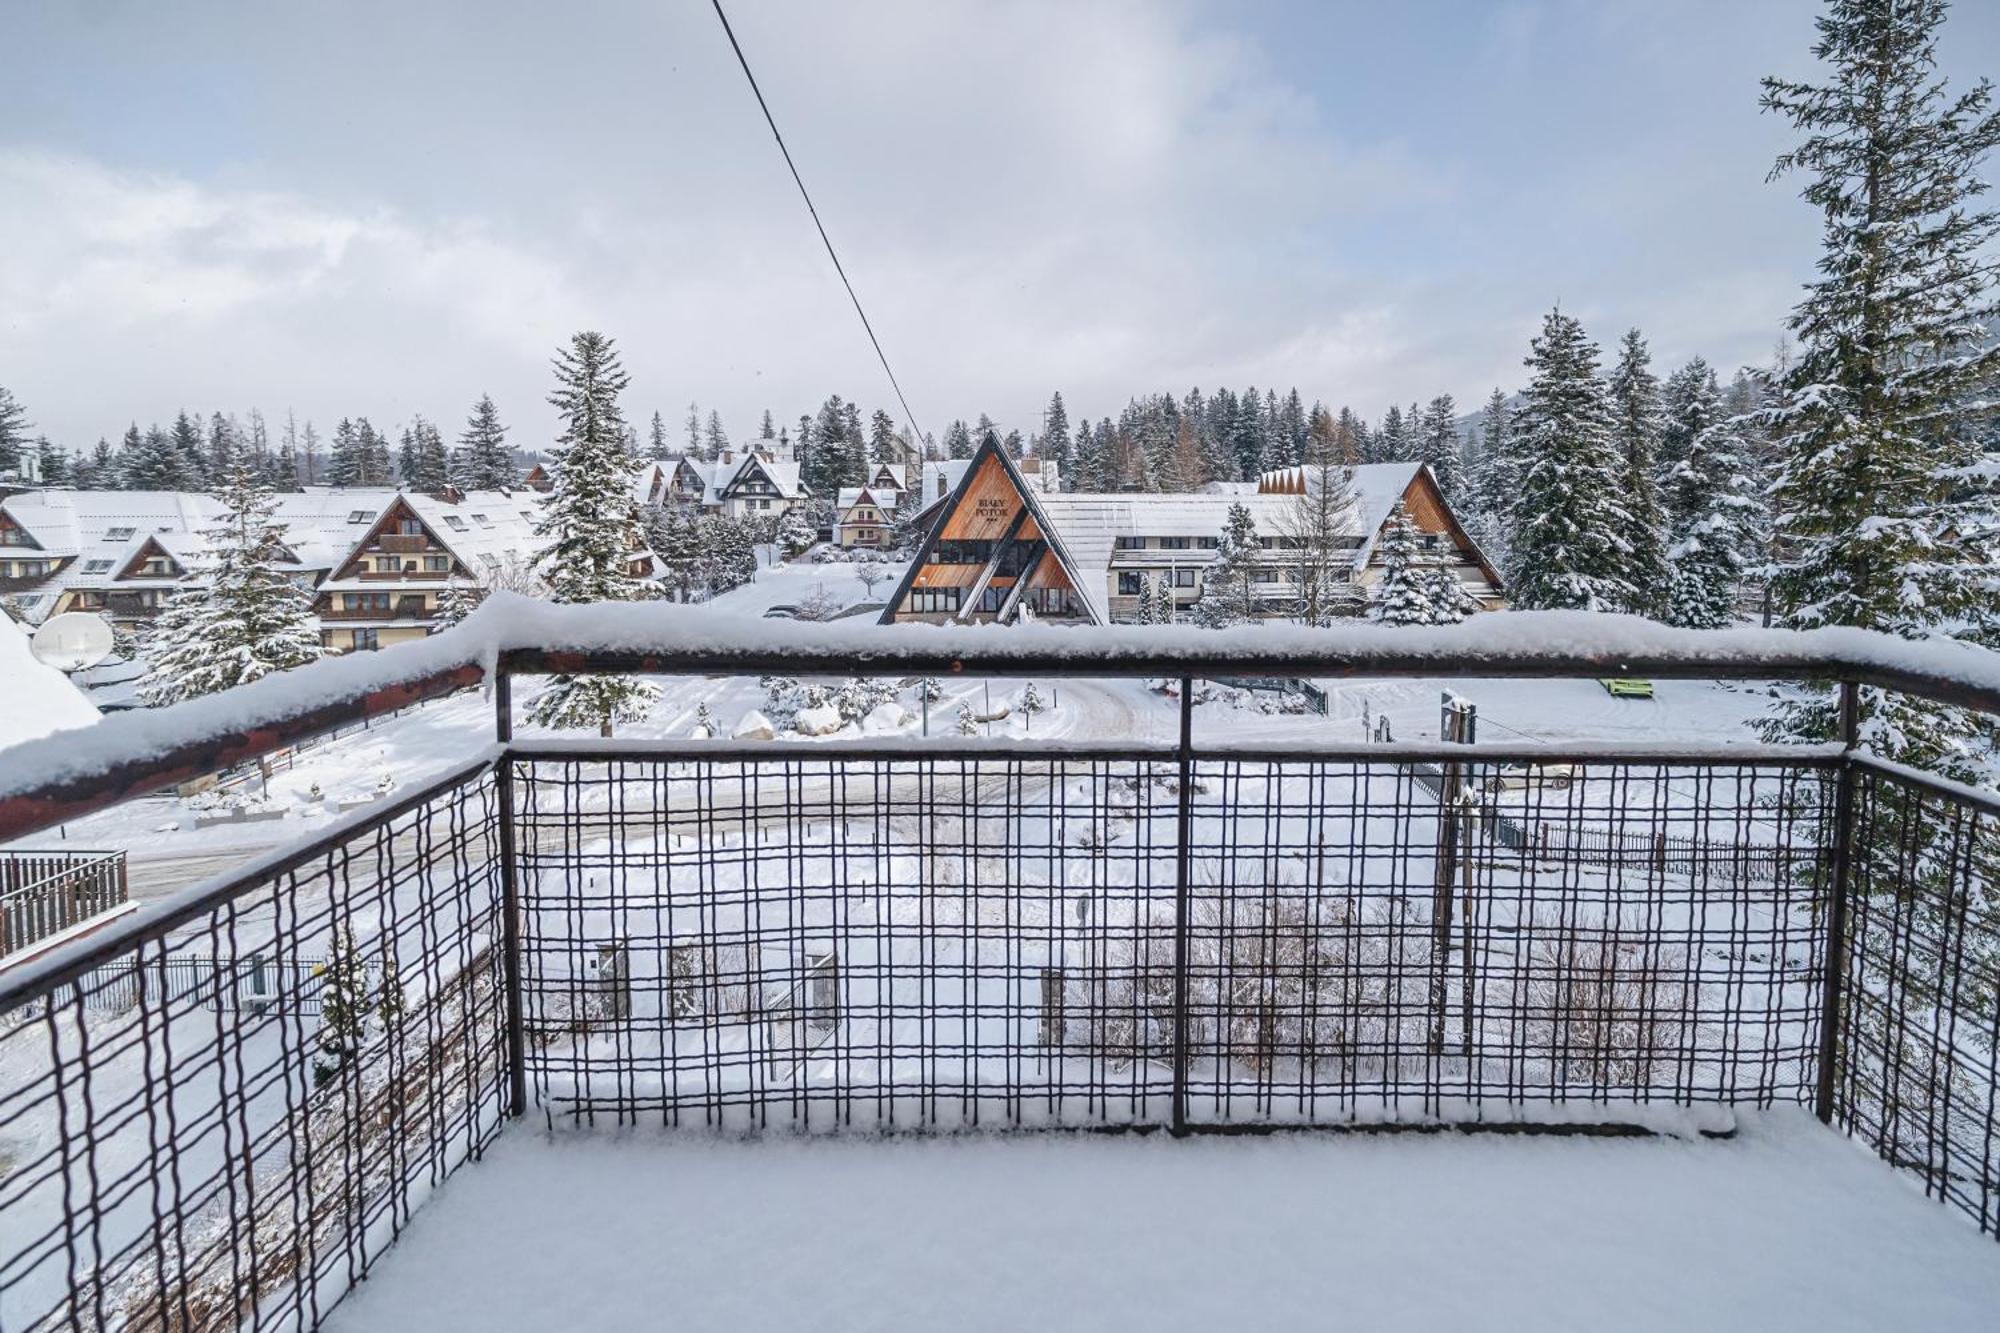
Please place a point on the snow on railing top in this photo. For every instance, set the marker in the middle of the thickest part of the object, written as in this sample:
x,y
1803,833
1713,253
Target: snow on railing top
x,y
161,745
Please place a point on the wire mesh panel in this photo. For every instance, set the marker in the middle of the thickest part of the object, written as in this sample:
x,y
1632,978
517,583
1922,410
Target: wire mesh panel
x,y
1919,1060
1358,953
938,941
956,940
171,1158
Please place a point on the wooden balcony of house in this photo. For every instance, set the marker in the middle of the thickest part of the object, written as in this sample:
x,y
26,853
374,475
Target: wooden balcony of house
x,y
403,543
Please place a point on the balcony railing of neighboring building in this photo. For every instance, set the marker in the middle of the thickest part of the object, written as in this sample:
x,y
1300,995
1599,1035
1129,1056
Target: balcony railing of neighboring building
x,y
971,933
45,893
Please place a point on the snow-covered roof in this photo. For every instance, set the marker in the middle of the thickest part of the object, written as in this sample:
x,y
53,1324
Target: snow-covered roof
x,y
850,496
1090,523
484,530
39,700
941,478
784,475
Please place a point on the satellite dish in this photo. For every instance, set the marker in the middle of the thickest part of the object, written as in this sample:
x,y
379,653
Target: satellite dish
x,y
71,641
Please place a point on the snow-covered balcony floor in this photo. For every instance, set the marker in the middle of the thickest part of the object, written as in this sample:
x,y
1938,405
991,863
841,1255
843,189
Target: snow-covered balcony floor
x,y
1784,1226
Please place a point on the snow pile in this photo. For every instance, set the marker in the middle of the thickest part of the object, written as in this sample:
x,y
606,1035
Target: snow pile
x,y
755,727
822,720
38,699
1406,1232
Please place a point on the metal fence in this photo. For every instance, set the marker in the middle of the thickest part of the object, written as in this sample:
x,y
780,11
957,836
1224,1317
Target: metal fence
x,y
976,933
43,893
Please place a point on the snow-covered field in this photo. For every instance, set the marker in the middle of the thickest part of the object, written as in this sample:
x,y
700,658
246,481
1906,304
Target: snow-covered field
x,y
1785,1226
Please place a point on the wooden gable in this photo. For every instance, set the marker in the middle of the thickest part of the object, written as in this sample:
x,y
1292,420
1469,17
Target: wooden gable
x,y
1429,512
147,550
384,525
987,507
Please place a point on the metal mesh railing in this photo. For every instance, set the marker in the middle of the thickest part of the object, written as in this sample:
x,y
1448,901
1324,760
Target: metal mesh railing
x,y
169,1161
1919,1055
1020,941
220,1114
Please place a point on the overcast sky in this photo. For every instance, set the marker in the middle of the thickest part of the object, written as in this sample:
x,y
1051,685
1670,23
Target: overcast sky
x,y
389,208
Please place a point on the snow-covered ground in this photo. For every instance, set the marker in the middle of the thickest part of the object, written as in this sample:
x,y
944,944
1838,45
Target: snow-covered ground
x,y
1785,1226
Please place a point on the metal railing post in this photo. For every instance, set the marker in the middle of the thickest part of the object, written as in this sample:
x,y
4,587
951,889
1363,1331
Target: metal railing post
x,y
510,899
1183,864
1450,783
1836,916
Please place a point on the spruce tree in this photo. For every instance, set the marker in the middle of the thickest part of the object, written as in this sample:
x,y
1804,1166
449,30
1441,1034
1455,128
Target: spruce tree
x,y
189,470
957,441
13,431
1402,594
1057,444
455,603
656,438
1392,441
1716,509
884,445
1438,445
1636,423
714,438
483,461
343,1008
592,525
1880,416
428,468
52,463
1229,584
343,464
240,616
1692,402
1568,517
768,430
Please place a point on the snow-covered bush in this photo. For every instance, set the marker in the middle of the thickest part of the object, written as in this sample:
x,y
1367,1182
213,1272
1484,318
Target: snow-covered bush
x,y
1606,1003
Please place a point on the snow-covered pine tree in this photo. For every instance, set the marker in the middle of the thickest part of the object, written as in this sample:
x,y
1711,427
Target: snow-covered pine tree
x,y
1165,609
240,617
656,438
1229,584
427,467
714,438
483,462
343,1007
1057,444
1691,403
704,722
957,440
968,723
692,425
794,534
1879,418
884,445
377,469
767,430
1568,517
390,1002
1635,429
13,431
191,467
1031,704
592,525
1438,445
1716,505
343,463
1391,442
52,462
455,603
1402,594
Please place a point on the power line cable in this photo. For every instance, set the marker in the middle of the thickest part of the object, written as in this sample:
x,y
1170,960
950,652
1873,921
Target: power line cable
x,y
827,241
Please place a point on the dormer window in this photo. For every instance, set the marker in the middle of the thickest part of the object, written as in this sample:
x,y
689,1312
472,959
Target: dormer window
x,y
97,566
455,523
357,516
482,520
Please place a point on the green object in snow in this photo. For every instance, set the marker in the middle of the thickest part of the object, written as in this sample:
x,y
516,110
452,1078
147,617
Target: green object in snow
x,y
1628,689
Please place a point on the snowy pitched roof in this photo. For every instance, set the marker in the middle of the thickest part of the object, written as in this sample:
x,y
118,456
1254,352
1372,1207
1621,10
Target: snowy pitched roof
x,y
783,473
850,496
38,699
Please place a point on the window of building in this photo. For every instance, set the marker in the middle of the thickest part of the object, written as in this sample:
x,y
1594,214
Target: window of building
x,y
364,601
96,566
1129,544
410,527
1184,578
990,599
455,523
1131,583
1052,601
1174,543
1208,543
120,534
962,553
935,601
438,564
366,640
357,516
482,520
